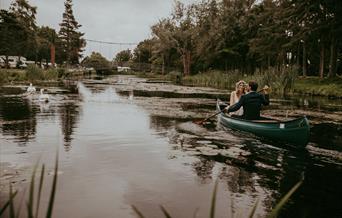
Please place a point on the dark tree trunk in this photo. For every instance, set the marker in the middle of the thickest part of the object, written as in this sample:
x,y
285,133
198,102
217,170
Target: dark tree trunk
x,y
304,60
333,58
163,66
52,55
321,62
186,62
6,62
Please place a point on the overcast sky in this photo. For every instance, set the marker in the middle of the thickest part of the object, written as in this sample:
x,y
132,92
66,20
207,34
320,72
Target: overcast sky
x,y
106,20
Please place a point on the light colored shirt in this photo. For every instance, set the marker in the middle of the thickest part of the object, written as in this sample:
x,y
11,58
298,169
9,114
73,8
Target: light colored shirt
x,y
233,100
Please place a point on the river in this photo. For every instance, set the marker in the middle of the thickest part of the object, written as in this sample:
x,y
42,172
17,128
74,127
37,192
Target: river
x,y
125,141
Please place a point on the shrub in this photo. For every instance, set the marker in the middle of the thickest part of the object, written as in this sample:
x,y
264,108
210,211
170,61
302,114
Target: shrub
x,y
50,74
33,72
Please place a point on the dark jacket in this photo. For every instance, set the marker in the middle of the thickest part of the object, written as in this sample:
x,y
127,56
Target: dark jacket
x,y
251,104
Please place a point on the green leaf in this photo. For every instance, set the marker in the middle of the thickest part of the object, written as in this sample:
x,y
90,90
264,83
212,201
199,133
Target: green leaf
x,y
40,188
282,202
53,189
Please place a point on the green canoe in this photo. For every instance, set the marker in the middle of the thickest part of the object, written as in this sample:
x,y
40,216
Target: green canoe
x,y
295,131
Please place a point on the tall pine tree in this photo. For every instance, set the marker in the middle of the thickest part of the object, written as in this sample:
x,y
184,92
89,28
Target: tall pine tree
x,y
71,38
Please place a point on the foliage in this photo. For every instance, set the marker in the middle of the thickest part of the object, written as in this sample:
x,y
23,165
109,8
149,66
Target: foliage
x,y
32,201
123,56
250,36
71,39
26,16
10,75
12,34
143,52
46,37
20,36
281,81
34,73
214,78
97,61
316,86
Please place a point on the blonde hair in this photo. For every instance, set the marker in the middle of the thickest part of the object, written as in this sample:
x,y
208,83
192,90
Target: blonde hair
x,y
241,82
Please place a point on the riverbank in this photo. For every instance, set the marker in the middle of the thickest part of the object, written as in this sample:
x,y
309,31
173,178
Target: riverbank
x,y
35,74
280,84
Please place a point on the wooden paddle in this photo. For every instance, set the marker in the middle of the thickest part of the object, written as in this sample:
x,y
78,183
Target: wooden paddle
x,y
202,121
266,87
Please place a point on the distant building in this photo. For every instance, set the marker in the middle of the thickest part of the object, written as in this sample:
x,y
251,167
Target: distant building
x,y
124,69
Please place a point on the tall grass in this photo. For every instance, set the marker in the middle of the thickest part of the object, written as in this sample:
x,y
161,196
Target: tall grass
x,y
31,213
32,200
34,73
216,79
10,75
281,81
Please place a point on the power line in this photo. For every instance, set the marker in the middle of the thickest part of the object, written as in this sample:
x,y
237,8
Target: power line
x,y
112,43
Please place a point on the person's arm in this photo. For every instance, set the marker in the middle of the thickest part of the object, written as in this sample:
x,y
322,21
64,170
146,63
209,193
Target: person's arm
x,y
231,101
236,106
265,99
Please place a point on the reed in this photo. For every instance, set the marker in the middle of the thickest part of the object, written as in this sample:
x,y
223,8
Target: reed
x,y
280,80
272,214
36,201
32,200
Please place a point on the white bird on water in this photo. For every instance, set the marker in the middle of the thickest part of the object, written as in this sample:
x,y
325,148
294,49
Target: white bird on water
x,y
31,89
131,95
43,97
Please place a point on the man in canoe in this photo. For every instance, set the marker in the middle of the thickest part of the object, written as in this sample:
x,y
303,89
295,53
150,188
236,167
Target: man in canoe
x,y
251,102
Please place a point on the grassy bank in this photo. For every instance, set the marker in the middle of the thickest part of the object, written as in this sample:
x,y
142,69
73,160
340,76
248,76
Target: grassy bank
x,y
282,83
316,86
31,74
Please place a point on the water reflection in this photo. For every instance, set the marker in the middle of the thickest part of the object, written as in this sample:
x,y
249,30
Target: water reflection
x,y
19,119
311,102
114,142
69,116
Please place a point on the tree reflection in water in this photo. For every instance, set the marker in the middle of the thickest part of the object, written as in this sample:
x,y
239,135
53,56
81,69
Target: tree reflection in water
x,y
19,119
69,115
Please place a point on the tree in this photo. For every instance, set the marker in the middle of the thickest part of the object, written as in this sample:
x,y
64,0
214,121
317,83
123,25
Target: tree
x,y
143,52
123,56
12,34
97,61
247,35
26,17
71,39
46,40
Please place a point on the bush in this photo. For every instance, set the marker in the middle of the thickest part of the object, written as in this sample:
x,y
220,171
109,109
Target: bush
x,y
217,79
11,75
33,73
50,74
281,81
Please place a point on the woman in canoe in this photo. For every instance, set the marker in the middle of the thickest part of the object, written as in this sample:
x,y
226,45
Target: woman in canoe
x,y
240,89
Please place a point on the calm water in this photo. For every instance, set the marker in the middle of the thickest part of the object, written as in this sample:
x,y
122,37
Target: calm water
x,y
114,153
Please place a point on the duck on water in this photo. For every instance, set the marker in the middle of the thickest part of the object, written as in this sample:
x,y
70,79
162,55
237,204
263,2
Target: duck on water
x,y
43,97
